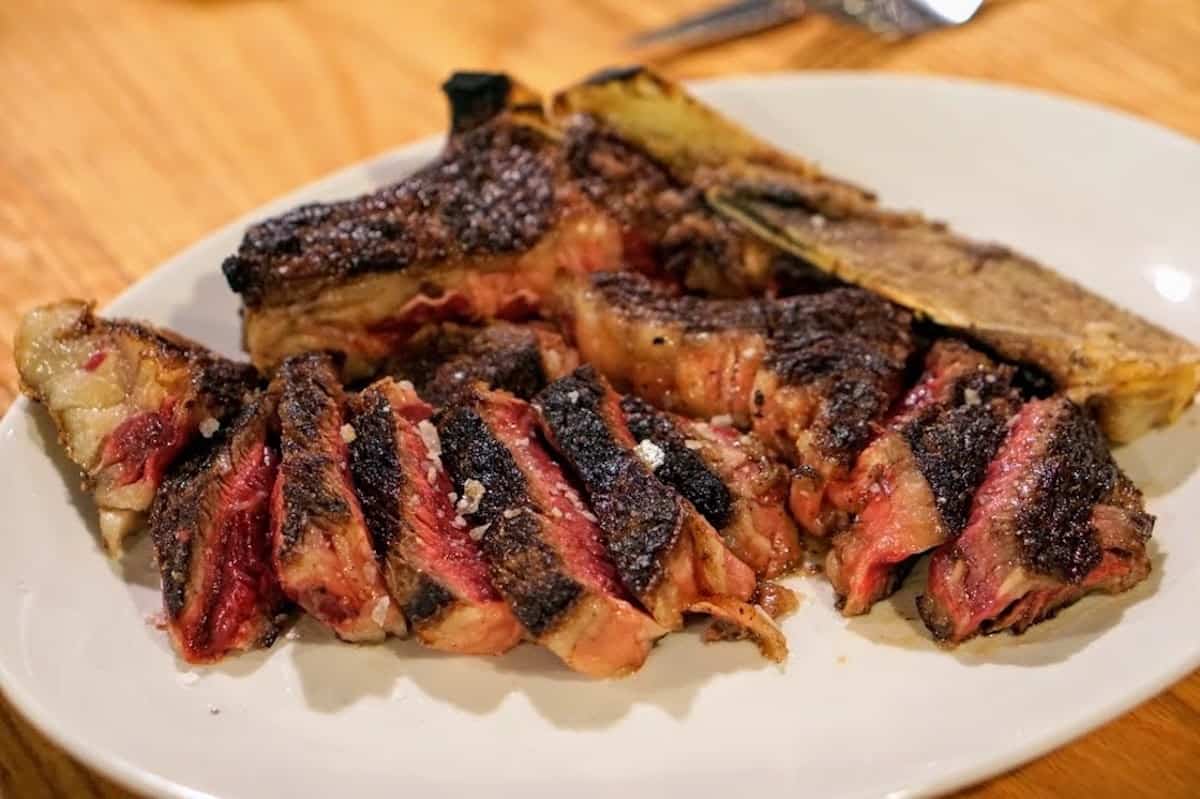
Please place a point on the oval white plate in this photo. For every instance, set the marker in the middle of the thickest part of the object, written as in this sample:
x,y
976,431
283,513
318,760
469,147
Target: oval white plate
x,y
863,708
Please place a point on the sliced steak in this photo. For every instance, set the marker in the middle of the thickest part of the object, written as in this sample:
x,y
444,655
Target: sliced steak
x,y
212,537
727,476
911,489
320,543
431,564
666,554
443,361
1054,519
126,399
811,375
543,546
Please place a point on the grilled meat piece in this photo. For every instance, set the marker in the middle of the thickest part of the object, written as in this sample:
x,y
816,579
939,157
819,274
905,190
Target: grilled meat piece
x,y
666,554
541,543
211,529
1054,519
911,489
810,374
320,544
481,233
728,477
431,565
443,361
126,399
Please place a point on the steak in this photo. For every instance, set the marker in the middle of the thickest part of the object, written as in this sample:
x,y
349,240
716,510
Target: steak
x,y
1054,519
666,554
811,375
126,399
911,489
446,360
541,543
480,233
432,566
728,477
211,529
320,544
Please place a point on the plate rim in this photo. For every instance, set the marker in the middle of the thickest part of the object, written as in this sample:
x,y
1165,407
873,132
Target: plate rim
x,y
143,779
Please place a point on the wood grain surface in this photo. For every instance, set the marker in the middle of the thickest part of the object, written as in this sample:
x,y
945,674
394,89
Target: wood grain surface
x,y
129,128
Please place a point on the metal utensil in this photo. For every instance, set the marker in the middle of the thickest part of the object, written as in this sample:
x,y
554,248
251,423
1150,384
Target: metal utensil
x,y
743,17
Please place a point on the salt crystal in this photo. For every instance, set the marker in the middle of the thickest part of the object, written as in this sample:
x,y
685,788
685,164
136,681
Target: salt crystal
x,y
476,533
971,396
556,513
650,454
572,397
429,434
473,492
722,420
209,427
511,513
692,443
349,434
459,522
587,514
379,612
431,473
817,221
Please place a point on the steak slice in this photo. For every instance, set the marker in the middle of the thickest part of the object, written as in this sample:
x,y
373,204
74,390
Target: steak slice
x,y
126,399
211,529
728,477
811,375
320,544
480,233
540,541
1054,519
446,360
666,554
431,565
911,489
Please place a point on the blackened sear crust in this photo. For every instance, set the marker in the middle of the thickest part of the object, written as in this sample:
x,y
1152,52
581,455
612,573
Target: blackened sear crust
x,y
683,469
503,356
492,191
639,298
953,446
309,413
1054,526
526,571
641,518
375,468
426,602
470,451
475,97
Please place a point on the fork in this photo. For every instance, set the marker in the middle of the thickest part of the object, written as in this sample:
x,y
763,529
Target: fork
x,y
894,18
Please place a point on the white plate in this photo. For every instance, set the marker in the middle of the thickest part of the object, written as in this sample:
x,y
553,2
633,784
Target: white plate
x,y
862,708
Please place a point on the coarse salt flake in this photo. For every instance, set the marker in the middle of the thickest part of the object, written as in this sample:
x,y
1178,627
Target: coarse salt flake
x,y
379,612
429,435
692,443
971,396
723,420
511,513
476,533
349,434
209,427
473,492
650,454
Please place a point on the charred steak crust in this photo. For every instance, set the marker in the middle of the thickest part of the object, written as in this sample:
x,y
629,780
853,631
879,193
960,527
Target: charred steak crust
x,y
683,468
641,521
491,192
1054,526
502,356
638,298
523,567
304,410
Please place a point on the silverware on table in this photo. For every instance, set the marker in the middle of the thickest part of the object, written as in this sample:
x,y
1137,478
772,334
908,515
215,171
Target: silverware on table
x,y
743,17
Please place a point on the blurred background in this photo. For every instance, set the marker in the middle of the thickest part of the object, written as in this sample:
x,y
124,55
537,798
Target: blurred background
x,y
129,128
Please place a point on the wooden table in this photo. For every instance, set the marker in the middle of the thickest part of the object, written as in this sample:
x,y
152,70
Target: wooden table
x,y
128,129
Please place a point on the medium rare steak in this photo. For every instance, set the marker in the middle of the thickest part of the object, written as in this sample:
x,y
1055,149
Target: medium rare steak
x,y
810,374
911,489
211,528
666,554
431,564
320,544
728,477
541,543
1054,519
126,399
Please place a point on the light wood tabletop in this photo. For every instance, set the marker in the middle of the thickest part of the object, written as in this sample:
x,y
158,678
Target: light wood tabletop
x,y
130,128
